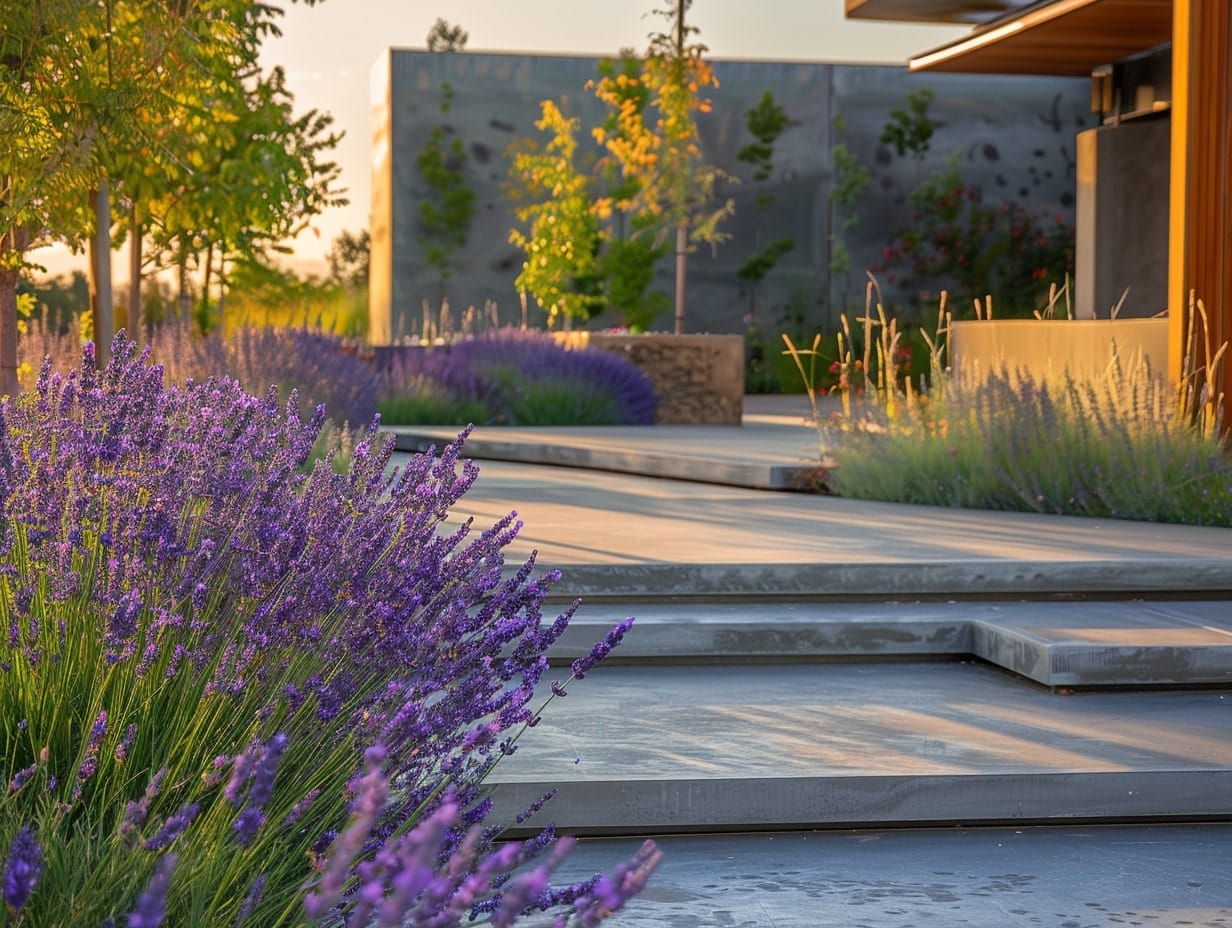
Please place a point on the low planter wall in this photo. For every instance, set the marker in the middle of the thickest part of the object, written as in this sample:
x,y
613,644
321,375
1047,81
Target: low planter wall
x,y
699,379
1050,348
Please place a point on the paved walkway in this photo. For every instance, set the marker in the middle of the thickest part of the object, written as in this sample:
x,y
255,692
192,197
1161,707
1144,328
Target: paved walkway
x,y
803,662
591,507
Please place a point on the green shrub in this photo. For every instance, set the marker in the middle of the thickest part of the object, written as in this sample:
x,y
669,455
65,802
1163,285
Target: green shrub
x,y
428,406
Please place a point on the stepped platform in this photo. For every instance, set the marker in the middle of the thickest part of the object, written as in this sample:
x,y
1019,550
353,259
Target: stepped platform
x,y
841,712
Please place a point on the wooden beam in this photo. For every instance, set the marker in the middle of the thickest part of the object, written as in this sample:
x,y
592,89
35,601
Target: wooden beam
x,y
1200,208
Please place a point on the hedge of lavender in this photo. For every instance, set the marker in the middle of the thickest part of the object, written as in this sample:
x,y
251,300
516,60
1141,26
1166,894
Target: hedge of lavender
x,y
323,368
514,377
235,693
320,366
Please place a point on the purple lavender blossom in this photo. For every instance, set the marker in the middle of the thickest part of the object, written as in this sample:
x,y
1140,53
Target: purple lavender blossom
x,y
22,777
121,749
251,900
601,650
152,904
287,594
610,893
22,869
371,791
263,779
172,828
247,824
479,368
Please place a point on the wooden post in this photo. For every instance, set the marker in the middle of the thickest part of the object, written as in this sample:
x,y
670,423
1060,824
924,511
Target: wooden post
x,y
1200,249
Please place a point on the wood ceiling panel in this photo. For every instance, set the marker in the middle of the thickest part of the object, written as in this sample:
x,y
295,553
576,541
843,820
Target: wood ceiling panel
x,y
1066,37
934,11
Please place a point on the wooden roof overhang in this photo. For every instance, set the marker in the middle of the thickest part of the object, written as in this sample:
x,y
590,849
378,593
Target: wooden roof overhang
x,y
1066,38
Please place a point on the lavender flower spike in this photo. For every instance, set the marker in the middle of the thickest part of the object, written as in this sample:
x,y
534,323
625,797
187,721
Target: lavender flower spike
x,y
601,650
21,872
152,905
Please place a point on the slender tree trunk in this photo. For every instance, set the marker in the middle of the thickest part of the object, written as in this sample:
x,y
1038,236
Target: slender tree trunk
x,y
134,275
682,224
13,244
185,298
222,280
205,288
100,274
682,256
8,331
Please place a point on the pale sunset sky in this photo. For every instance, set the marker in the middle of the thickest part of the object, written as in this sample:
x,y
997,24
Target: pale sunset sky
x,y
328,51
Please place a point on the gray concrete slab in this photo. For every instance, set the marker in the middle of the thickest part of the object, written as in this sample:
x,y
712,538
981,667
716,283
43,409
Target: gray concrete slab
x,y
1071,644
740,746
621,535
1062,877
769,455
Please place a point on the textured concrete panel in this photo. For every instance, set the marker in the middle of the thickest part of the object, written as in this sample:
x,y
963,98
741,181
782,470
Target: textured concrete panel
x,y
1057,644
1013,136
1093,877
736,746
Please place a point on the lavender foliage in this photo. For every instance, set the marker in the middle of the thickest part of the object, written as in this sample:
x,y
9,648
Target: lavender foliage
x,y
526,378
289,649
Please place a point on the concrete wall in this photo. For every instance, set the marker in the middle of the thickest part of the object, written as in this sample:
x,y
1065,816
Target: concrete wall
x,y
1122,242
1014,136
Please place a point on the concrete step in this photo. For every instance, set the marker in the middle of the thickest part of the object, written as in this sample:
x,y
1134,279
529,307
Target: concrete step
x,y
764,454
957,578
1162,876
1057,644
707,748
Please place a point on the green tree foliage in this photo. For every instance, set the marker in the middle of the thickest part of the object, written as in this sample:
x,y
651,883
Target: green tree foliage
x,y
162,101
254,178
561,241
766,122
630,248
443,37
683,185
348,259
909,131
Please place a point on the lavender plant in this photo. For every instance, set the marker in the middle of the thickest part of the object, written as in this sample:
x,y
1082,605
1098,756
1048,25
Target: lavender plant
x,y
232,692
321,366
519,378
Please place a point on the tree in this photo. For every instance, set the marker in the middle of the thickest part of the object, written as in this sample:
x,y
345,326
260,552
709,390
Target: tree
x,y
766,122
255,178
100,94
443,37
348,259
562,241
682,191
630,249
850,179
50,115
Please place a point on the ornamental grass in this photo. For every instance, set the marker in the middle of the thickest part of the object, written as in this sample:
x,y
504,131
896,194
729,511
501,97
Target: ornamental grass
x,y
1126,444
236,691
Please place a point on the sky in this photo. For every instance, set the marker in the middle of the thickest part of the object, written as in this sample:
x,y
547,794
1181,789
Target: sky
x,y
328,51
